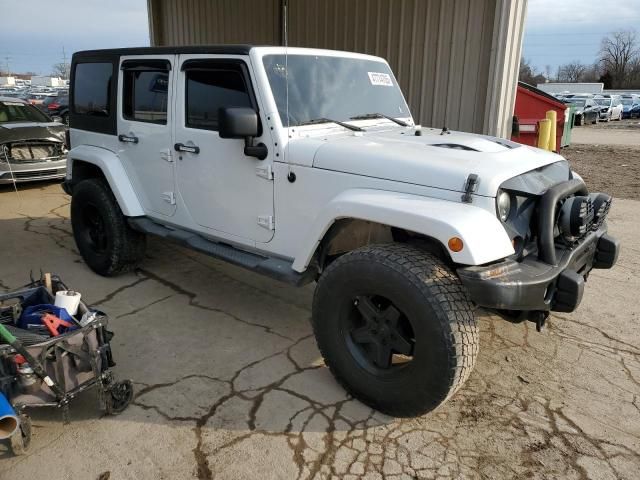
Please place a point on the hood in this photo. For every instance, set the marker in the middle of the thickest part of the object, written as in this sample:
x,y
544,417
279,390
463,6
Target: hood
x,y
432,160
13,132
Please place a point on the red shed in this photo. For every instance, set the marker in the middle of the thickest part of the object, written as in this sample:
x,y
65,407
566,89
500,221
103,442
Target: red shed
x,y
532,106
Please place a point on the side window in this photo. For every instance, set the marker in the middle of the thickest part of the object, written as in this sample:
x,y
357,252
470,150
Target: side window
x,y
92,89
207,90
145,95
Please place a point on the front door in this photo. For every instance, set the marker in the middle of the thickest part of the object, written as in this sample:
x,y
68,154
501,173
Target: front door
x,y
224,191
145,130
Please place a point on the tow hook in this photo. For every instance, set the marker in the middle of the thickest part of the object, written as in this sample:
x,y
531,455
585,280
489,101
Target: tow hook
x,y
539,317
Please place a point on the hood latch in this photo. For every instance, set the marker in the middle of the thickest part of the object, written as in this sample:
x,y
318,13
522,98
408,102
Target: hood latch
x,y
470,187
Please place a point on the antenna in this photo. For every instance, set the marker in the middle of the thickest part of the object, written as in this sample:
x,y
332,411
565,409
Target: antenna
x,y
285,27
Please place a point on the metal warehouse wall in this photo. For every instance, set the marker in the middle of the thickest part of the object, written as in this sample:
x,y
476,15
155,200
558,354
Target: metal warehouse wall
x,y
456,60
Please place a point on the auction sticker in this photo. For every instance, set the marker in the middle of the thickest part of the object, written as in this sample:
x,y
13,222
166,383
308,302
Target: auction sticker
x,y
382,79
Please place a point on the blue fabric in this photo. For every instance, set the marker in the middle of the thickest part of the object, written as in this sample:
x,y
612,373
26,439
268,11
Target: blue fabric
x,y
33,316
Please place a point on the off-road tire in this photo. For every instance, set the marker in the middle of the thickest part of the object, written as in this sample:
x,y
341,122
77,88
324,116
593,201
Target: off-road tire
x,y
423,288
123,247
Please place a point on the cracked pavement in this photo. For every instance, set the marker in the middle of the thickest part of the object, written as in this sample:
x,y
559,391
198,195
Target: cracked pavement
x,y
229,383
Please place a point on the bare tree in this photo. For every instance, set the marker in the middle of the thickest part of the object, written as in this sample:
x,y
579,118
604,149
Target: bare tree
x,y
527,73
617,53
572,72
60,70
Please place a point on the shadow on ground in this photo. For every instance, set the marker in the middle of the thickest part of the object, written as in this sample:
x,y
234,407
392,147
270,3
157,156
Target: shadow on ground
x,y
230,384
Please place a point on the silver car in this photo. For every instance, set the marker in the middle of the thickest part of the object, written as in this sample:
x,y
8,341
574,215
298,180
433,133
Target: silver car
x,y
32,146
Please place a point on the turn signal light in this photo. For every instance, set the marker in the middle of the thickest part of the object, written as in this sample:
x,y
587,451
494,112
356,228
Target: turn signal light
x,y
455,244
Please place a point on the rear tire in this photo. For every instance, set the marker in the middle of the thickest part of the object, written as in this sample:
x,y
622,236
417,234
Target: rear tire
x,y
106,242
419,308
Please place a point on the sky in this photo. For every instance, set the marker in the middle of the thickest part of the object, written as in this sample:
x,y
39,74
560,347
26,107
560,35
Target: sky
x,y
560,31
34,32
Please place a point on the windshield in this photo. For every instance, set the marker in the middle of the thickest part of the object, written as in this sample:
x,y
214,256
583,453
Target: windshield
x,y
627,101
335,88
20,112
577,101
603,101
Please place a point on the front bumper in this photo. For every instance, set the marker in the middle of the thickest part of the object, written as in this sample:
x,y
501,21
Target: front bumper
x,y
532,284
31,171
550,276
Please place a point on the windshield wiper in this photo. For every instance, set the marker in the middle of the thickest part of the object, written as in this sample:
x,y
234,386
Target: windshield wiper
x,y
366,116
316,121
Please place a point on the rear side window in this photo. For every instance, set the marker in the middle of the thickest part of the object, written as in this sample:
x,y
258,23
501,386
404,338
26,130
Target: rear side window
x,y
207,90
92,86
145,95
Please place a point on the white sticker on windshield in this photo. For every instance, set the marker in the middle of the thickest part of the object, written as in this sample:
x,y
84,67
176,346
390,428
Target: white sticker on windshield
x,y
382,79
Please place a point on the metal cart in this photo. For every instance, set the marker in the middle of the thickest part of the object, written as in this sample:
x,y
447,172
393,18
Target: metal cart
x,y
75,361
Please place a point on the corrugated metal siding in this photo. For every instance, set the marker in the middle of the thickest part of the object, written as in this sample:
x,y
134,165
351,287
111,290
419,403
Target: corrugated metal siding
x,y
193,22
452,58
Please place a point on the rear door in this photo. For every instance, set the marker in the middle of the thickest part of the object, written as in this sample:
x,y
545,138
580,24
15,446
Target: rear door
x,y
223,189
145,114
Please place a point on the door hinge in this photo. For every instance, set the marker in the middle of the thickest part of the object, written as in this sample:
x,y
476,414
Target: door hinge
x,y
166,155
265,172
267,221
169,197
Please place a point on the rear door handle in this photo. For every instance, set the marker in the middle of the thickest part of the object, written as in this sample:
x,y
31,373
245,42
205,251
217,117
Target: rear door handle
x,y
181,147
127,139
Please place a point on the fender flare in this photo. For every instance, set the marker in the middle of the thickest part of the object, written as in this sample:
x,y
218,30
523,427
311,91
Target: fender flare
x,y
117,178
484,237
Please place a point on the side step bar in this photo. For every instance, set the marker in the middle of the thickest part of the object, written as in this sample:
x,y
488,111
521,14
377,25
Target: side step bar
x,y
275,268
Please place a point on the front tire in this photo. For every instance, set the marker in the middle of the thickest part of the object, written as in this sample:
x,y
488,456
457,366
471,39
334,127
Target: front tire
x,y
396,327
107,244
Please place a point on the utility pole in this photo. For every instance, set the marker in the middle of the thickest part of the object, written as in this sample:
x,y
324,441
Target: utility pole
x,y
6,59
64,63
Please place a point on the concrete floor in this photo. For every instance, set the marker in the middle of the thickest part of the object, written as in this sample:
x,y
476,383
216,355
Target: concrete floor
x,y
230,383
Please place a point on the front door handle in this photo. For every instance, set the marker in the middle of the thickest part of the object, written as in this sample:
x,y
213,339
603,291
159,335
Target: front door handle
x,y
128,138
181,147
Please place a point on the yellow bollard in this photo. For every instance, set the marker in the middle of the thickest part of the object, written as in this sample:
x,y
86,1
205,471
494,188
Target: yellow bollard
x,y
552,116
544,128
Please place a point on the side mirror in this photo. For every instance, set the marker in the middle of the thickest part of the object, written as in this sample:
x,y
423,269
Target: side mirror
x,y
237,122
241,122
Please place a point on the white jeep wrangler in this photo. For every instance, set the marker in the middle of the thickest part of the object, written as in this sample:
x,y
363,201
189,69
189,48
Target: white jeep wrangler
x,y
305,165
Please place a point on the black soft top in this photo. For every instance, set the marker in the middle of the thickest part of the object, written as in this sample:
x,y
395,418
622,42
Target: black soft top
x,y
214,49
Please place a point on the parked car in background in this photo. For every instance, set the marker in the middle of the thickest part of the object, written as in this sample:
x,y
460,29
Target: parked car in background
x,y
58,107
36,98
32,146
587,110
610,107
629,102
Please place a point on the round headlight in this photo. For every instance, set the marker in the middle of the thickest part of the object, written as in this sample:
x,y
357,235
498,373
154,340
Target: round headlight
x,y
503,203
